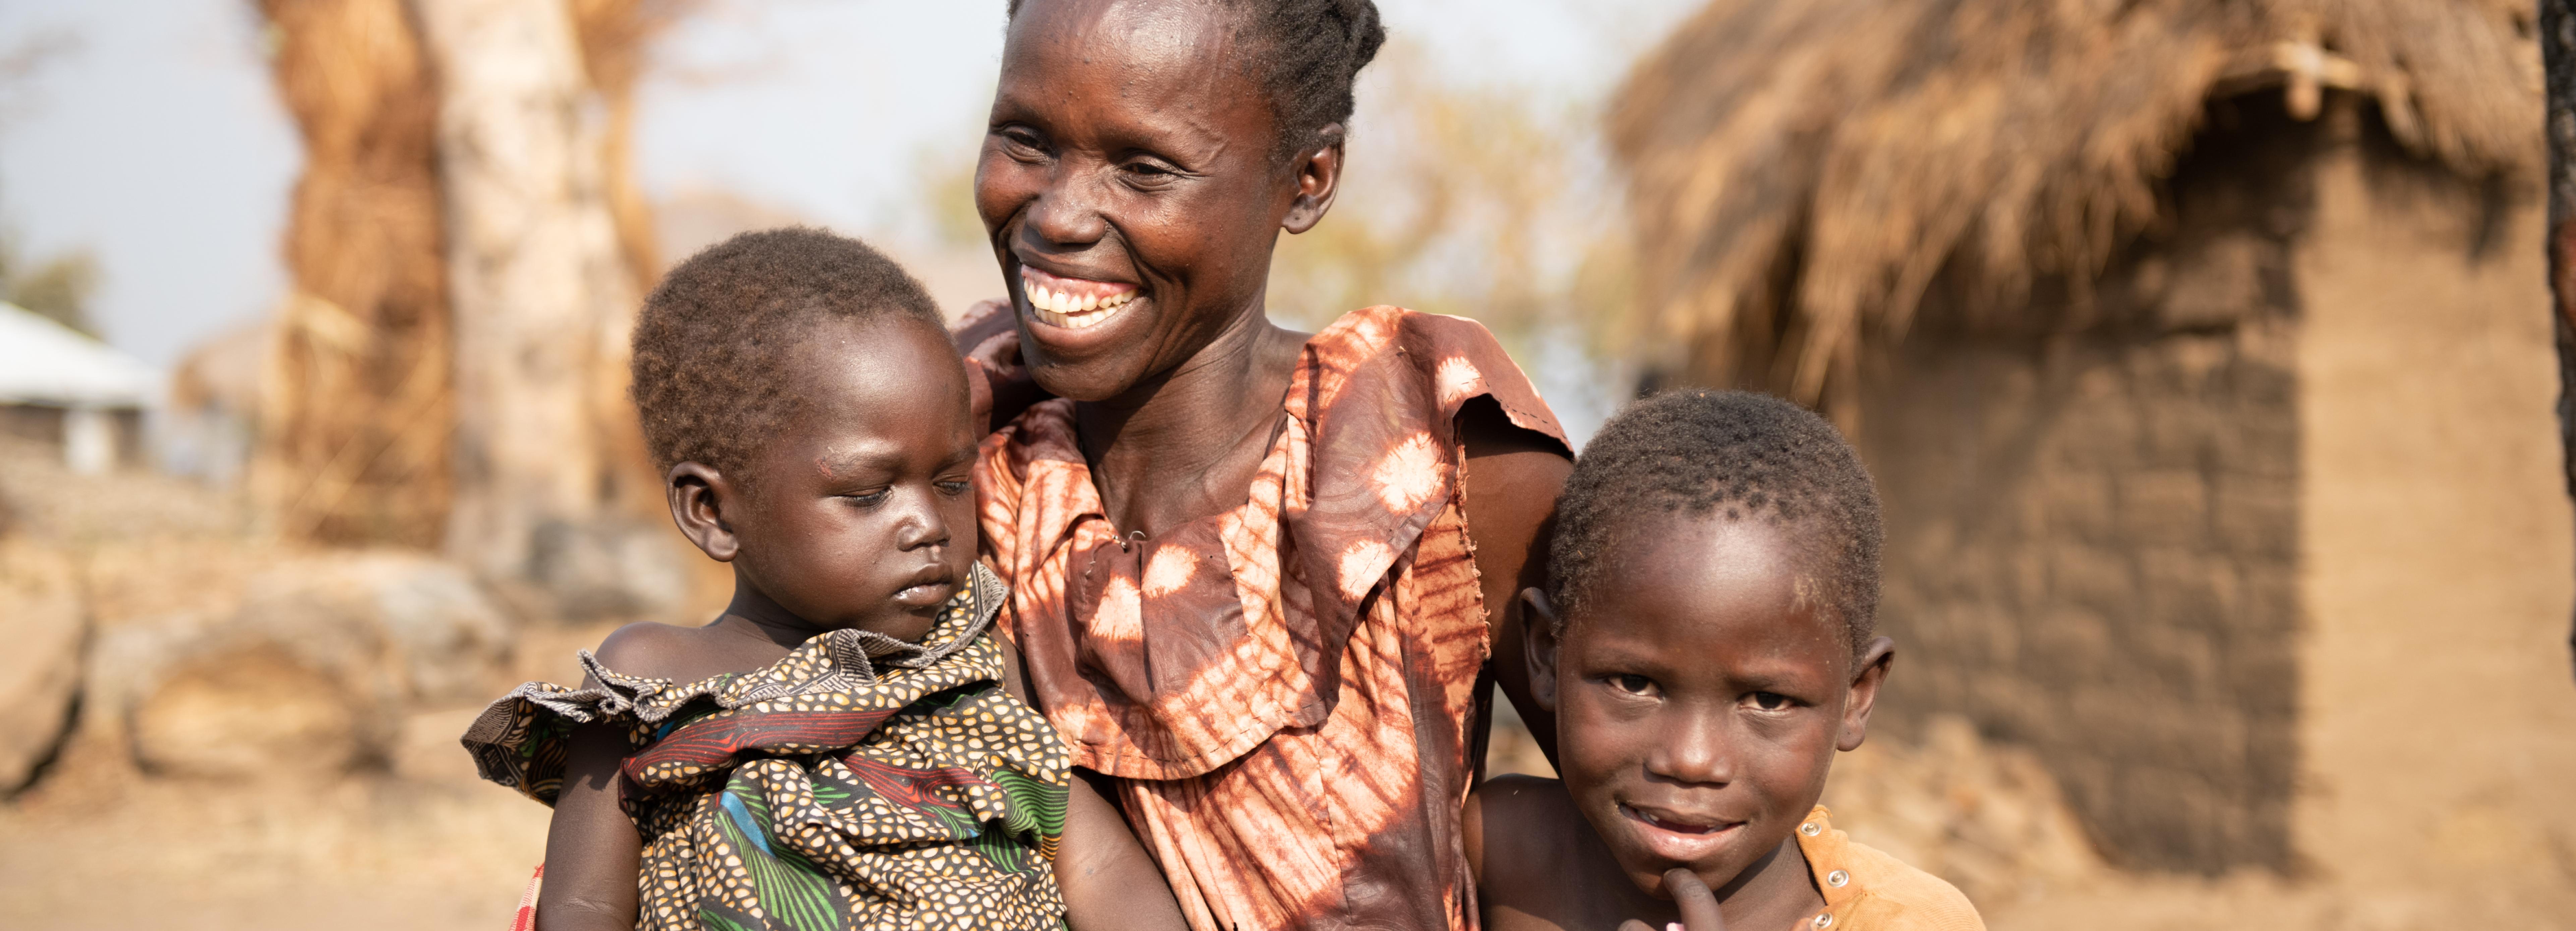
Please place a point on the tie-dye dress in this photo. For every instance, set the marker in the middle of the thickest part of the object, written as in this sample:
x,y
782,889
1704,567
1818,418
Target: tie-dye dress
x,y
1285,691
860,782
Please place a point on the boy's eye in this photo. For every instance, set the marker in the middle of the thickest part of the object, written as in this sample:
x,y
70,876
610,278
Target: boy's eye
x,y
869,498
1632,684
952,488
1769,701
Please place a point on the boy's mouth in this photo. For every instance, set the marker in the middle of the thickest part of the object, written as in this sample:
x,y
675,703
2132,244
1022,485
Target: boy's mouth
x,y
1679,837
1073,303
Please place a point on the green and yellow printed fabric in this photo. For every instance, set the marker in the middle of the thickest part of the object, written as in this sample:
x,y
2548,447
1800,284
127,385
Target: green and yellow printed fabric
x,y
860,783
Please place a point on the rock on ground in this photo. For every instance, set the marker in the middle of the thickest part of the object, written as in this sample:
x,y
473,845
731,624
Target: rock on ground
x,y
311,674
42,626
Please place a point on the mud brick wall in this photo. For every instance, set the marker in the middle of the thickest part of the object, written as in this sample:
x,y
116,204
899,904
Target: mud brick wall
x,y
2092,553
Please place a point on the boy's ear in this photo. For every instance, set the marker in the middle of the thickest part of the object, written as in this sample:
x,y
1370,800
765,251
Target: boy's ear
x,y
699,495
1319,180
1875,658
1539,625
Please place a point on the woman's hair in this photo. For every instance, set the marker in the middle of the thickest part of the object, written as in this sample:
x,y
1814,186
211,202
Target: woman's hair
x,y
1699,452
1308,54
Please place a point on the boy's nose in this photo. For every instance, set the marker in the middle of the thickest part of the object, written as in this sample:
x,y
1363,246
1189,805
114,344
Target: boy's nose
x,y
1694,748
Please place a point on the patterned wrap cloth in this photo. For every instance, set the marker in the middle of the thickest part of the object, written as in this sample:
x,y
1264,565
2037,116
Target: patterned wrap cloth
x,y
861,782
1285,692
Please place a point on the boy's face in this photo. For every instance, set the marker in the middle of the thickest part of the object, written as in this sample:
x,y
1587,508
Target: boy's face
x,y
860,514
1699,700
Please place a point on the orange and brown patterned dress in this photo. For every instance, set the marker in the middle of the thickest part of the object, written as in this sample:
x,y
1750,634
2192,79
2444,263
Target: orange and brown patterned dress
x,y
1284,691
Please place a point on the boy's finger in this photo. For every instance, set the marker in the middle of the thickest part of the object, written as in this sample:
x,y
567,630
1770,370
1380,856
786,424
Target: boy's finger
x,y
1633,925
1697,904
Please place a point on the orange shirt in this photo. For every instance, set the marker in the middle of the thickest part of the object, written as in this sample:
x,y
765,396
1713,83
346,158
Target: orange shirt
x,y
1285,692
1866,890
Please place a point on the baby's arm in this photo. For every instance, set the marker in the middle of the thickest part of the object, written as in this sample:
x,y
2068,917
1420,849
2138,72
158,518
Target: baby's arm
x,y
593,855
591,848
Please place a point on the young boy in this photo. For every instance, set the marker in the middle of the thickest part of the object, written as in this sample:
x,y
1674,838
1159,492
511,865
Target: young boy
x,y
1705,640
839,749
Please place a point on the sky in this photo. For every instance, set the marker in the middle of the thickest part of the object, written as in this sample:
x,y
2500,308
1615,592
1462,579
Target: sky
x,y
155,141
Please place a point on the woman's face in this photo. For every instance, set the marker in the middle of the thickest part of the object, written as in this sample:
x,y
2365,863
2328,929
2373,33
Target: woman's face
x,y
1128,185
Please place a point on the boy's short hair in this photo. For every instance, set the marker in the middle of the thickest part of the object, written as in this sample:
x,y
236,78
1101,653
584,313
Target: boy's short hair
x,y
714,333
1755,456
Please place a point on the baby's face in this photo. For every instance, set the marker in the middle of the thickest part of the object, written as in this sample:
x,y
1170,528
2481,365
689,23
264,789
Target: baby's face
x,y
1699,701
862,515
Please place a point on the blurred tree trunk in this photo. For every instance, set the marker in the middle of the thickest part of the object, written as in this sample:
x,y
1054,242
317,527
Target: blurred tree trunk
x,y
544,298
355,394
2558,50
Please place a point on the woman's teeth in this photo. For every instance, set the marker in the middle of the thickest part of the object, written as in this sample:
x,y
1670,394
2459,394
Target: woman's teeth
x,y
1070,310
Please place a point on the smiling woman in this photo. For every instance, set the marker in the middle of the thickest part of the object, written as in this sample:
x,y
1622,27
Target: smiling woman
x,y
1245,584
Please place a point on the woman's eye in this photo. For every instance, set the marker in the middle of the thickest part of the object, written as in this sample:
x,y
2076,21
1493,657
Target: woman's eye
x,y
1769,701
1021,141
869,498
1149,174
952,488
1632,684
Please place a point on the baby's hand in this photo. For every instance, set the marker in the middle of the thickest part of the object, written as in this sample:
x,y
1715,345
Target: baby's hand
x,y
1698,905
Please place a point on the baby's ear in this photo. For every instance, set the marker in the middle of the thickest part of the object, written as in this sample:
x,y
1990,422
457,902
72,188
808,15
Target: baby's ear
x,y
698,495
1870,672
1539,628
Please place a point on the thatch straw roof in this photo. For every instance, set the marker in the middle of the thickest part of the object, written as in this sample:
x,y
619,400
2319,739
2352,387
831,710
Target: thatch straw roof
x,y
1802,170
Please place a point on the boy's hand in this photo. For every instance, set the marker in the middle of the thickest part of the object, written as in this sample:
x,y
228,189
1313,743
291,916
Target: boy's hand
x,y
1698,905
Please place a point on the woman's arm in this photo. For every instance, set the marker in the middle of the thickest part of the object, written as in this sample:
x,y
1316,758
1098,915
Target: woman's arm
x,y
591,848
1513,476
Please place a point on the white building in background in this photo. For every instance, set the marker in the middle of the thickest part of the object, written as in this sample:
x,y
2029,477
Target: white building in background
x,y
60,387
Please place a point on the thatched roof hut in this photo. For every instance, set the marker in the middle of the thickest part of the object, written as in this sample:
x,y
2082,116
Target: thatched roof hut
x,y
2202,350
1805,170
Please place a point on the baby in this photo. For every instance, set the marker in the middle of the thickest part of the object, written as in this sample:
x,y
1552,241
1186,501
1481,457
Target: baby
x,y
839,749
1706,642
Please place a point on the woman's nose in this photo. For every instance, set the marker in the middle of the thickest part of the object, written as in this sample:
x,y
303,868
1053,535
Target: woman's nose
x,y
1067,213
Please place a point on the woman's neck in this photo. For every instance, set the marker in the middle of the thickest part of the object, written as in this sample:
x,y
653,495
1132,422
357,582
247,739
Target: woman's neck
x,y
1186,444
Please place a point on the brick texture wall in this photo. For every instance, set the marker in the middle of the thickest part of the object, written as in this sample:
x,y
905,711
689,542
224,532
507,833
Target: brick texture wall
x,y
2093,519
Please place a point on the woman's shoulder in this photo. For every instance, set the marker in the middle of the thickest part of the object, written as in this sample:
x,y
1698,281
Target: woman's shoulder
x,y
1442,362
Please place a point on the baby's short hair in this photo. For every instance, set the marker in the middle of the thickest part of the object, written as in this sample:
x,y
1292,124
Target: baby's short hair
x,y
1697,451
713,335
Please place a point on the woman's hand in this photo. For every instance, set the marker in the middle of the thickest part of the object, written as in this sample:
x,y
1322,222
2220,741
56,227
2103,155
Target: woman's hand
x,y
998,384
1698,905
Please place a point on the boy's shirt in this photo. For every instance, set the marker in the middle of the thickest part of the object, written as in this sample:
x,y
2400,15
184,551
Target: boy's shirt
x,y
1866,890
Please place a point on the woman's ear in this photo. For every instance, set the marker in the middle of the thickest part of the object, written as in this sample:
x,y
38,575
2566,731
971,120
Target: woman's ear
x,y
1539,627
699,494
1875,658
1319,180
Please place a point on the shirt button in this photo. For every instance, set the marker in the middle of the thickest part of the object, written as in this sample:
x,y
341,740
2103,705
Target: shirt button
x,y
1837,878
1810,829
1823,921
